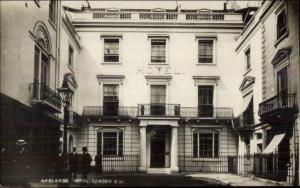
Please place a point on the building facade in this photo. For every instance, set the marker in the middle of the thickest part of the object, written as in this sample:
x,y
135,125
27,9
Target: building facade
x,y
274,63
157,98
155,90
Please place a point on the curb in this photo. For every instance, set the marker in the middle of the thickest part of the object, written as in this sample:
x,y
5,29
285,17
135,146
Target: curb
x,y
272,181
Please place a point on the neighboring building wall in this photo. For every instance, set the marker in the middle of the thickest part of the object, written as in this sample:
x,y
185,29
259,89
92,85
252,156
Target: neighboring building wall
x,y
18,20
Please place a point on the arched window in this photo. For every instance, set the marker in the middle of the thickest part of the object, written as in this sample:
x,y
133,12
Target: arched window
x,y
110,142
42,50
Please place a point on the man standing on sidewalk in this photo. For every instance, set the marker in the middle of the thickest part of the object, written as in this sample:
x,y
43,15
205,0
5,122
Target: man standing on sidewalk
x,y
85,163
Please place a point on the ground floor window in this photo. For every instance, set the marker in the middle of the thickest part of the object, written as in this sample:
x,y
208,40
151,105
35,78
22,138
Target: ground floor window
x,y
110,142
205,144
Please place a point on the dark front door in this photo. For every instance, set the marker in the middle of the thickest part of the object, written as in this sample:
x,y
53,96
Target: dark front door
x,y
158,138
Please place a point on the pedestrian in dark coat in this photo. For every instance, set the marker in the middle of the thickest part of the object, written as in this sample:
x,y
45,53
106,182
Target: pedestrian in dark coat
x,y
73,159
21,163
85,163
98,161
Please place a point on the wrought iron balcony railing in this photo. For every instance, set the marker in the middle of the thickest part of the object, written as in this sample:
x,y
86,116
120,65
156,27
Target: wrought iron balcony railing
x,y
106,111
282,101
75,118
207,111
159,109
42,94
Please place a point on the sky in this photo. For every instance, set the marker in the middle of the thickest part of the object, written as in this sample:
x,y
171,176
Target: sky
x,y
151,4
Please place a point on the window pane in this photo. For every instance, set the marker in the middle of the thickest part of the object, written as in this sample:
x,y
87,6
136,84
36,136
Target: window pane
x,y
205,51
216,146
158,51
205,101
70,56
111,50
120,143
281,24
36,64
205,144
195,145
99,142
158,94
109,143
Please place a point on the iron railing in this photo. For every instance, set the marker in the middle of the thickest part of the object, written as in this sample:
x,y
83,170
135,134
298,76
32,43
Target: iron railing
x,y
158,16
159,109
75,118
279,167
281,101
220,164
97,111
124,163
42,92
204,16
206,112
112,15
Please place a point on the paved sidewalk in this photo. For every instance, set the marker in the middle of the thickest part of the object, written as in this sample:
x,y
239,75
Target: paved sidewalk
x,y
237,180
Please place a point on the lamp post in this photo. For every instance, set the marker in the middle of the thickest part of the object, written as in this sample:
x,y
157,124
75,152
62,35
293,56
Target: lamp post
x,y
66,94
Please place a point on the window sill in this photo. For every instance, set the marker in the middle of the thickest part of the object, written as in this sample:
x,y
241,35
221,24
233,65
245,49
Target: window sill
x,y
206,64
52,24
281,38
249,70
158,63
111,63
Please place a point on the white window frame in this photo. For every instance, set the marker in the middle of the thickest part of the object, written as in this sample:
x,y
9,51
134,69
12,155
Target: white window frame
x,y
281,8
199,131
214,39
120,49
116,130
166,38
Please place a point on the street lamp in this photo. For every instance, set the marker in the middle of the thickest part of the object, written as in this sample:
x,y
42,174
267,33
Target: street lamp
x,y
66,94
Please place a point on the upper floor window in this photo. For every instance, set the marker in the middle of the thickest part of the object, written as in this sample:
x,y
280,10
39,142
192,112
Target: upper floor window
x,y
41,67
247,57
205,101
158,100
52,11
111,50
281,24
205,144
158,50
205,51
110,142
110,99
71,56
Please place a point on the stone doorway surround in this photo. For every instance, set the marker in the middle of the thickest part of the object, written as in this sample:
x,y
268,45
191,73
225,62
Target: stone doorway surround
x,y
146,122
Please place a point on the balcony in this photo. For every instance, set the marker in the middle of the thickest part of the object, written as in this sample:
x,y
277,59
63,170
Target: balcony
x,y
75,120
279,108
159,109
109,112
45,97
206,112
146,16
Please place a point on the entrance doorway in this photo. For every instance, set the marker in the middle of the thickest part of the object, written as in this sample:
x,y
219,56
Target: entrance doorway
x,y
158,148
